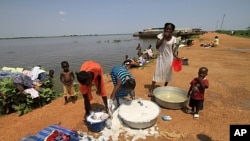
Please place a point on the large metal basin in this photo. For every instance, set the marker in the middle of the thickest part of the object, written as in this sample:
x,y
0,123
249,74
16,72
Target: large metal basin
x,y
170,97
139,114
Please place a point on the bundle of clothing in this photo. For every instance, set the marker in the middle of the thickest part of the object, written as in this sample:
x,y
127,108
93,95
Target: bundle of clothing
x,y
26,81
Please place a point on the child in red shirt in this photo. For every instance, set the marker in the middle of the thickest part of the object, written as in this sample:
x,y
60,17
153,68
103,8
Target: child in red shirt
x,y
197,91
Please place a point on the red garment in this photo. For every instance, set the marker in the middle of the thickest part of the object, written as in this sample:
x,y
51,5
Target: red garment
x,y
96,68
57,135
199,93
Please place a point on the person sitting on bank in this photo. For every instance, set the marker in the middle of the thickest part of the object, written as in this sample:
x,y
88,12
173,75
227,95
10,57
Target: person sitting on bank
x,y
130,63
142,59
149,52
215,43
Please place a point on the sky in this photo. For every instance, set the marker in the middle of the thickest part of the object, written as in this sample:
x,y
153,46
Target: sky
x,y
31,18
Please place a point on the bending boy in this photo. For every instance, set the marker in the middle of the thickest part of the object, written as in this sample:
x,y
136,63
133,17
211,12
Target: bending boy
x,y
91,72
124,83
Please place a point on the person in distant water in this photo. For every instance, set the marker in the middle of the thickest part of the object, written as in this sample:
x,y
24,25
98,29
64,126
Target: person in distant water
x,y
67,77
91,71
138,46
139,50
124,83
165,44
197,91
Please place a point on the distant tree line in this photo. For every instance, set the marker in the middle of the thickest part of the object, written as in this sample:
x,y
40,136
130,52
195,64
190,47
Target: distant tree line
x,y
240,33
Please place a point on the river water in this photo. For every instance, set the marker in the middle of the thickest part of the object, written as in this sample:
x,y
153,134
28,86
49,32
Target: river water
x,y
108,50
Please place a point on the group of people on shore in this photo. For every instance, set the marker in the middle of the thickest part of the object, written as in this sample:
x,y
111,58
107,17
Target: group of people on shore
x,y
142,58
124,82
92,72
147,53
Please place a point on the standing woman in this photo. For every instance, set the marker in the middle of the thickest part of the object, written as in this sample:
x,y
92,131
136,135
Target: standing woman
x,y
165,44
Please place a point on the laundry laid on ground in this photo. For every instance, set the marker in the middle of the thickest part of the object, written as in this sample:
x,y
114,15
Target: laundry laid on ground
x,y
28,79
22,90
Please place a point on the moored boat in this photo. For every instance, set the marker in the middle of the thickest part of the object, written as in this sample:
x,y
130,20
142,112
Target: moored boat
x,y
153,32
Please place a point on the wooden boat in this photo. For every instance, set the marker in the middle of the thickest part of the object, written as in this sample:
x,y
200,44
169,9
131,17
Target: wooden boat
x,y
153,32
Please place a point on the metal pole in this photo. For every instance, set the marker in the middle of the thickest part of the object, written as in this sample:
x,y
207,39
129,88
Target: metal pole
x,y
222,22
217,25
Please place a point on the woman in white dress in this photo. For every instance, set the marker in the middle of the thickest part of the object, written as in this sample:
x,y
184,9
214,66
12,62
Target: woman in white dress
x,y
165,44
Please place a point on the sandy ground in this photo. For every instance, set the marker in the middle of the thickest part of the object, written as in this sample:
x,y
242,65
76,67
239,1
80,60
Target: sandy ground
x,y
227,100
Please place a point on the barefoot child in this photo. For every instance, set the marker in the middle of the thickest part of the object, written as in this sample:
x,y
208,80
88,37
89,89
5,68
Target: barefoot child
x,y
197,91
67,78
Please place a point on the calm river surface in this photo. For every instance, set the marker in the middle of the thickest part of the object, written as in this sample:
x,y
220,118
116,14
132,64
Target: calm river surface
x,y
108,50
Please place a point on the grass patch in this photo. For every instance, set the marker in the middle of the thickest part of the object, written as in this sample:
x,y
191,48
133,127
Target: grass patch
x,y
117,41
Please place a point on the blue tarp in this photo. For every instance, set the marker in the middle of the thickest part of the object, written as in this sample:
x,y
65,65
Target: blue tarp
x,y
41,135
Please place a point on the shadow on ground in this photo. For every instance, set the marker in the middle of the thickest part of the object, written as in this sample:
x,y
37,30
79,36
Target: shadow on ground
x,y
203,137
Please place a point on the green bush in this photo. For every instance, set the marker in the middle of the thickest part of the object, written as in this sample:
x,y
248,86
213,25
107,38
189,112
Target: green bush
x,y
240,33
11,100
117,41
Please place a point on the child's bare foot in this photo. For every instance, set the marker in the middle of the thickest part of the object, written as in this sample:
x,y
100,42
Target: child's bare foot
x,y
65,100
73,99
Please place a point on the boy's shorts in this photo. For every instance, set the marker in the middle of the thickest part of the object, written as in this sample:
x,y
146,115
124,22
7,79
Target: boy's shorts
x,y
196,103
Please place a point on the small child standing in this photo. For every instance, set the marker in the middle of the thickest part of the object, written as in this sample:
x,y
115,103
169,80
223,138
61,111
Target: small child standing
x,y
67,77
51,79
197,91
51,73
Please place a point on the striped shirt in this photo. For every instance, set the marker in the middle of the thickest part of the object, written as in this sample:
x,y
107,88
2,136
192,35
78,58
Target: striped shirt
x,y
121,73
